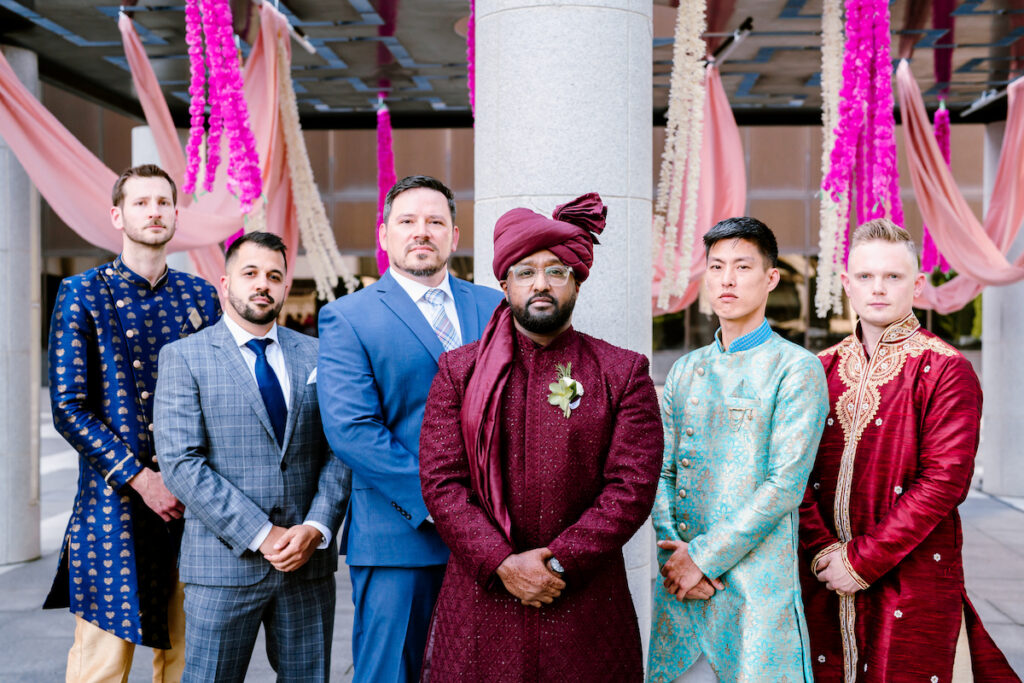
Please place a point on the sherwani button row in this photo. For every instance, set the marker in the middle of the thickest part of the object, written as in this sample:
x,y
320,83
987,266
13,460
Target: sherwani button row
x,y
145,395
700,371
129,333
150,427
682,493
685,462
689,431
683,526
120,303
693,400
137,364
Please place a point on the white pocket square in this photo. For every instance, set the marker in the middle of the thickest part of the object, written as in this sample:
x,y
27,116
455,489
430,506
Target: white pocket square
x,y
312,377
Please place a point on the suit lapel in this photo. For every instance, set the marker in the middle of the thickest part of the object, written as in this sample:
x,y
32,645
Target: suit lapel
x,y
231,358
465,306
297,376
405,309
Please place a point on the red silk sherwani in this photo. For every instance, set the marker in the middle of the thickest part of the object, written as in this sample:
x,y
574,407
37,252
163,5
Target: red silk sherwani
x,y
895,461
580,486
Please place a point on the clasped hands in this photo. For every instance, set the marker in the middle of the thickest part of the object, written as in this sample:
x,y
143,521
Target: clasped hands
x,y
527,576
683,578
288,549
832,571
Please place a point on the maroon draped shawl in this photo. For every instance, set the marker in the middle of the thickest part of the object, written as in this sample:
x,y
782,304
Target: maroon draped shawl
x,y
570,234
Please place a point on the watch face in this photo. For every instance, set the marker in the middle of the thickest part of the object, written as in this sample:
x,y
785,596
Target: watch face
x,y
556,566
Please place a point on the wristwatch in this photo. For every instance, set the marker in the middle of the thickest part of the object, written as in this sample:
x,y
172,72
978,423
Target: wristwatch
x,y
556,566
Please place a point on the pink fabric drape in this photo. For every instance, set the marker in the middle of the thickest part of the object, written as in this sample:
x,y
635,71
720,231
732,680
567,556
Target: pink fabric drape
x,y
74,182
77,185
976,250
723,187
261,95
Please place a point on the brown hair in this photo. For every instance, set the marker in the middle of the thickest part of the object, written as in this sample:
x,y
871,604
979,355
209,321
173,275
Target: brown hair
x,y
142,171
883,230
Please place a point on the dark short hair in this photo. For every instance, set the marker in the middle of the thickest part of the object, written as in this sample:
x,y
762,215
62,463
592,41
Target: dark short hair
x,y
411,182
267,240
745,228
142,171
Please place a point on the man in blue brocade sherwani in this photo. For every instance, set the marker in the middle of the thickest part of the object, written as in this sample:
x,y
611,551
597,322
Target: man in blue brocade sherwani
x,y
742,420
118,565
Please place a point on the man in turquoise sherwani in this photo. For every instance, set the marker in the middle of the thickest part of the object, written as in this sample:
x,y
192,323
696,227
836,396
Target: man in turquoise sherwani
x,y
742,419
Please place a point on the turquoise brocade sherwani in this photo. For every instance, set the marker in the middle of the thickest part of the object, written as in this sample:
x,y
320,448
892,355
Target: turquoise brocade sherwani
x,y
741,432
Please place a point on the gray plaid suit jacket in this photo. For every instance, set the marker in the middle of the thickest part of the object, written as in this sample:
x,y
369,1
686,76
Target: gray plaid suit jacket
x,y
218,455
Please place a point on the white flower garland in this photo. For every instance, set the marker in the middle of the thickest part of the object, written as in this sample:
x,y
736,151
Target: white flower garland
x,y
680,160
314,228
829,290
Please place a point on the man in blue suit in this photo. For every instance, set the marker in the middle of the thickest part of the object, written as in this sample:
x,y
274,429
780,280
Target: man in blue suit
x,y
241,444
378,356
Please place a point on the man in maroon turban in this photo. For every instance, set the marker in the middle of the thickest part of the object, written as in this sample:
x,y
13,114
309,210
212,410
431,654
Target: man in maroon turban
x,y
540,454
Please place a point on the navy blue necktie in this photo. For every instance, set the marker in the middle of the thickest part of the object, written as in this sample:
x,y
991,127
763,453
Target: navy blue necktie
x,y
270,388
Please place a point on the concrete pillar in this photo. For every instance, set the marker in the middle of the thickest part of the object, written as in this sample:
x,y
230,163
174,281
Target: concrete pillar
x,y
144,151
19,343
1002,374
563,107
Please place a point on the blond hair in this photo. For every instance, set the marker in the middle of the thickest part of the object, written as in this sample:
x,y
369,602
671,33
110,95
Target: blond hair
x,y
883,230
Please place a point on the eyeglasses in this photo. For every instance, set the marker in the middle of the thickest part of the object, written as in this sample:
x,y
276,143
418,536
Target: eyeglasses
x,y
525,275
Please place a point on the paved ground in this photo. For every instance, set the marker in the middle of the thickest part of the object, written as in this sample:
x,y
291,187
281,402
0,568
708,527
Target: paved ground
x,y
37,641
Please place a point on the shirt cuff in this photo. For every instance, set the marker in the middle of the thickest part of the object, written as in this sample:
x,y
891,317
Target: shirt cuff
x,y
261,536
324,531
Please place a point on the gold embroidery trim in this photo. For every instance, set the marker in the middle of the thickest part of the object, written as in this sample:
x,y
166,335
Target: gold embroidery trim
x,y
823,553
849,567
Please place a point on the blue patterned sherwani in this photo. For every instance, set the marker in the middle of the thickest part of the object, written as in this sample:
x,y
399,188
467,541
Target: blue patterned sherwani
x,y
741,433
117,563
221,459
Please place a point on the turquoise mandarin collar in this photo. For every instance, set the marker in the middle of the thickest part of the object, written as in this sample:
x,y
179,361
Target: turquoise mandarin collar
x,y
748,341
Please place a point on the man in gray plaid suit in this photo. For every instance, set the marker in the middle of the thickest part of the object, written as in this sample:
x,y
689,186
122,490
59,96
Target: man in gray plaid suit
x,y
240,443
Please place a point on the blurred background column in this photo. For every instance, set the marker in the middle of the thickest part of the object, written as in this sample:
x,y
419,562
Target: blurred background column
x,y
563,107
1002,364
19,343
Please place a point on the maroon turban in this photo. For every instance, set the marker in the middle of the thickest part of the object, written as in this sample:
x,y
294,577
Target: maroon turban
x,y
570,235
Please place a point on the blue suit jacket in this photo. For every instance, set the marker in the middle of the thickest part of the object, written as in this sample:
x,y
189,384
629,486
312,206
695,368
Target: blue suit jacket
x,y
378,358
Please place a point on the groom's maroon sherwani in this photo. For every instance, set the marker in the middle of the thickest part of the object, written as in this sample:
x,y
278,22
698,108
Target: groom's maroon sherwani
x,y
580,486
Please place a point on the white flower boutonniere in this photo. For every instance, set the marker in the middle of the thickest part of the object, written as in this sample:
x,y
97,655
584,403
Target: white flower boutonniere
x,y
565,391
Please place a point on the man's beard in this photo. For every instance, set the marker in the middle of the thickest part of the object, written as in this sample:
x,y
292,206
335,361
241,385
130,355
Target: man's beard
x,y
251,314
547,322
413,266
139,235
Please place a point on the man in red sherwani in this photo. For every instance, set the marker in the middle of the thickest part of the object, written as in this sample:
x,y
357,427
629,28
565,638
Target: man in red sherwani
x,y
539,457
883,580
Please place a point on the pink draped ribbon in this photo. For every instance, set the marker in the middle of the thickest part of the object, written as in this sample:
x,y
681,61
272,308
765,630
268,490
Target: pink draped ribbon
x,y
77,185
385,177
722,193
977,250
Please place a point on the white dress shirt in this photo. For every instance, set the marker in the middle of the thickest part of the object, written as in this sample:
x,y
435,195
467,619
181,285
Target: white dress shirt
x,y
275,357
416,290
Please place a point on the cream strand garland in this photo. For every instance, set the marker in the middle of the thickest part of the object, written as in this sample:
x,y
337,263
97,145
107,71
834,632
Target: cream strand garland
x,y
314,228
828,295
681,156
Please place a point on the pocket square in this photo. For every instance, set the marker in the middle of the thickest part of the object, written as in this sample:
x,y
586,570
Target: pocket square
x,y
312,377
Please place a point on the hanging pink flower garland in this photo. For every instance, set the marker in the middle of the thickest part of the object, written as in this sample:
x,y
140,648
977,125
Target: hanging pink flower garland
x,y
930,256
471,56
385,175
864,154
216,79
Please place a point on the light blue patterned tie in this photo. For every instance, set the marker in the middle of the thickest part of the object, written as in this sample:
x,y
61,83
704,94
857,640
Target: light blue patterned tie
x,y
440,322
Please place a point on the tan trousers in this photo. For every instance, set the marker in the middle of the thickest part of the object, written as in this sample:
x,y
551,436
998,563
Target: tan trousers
x,y
97,656
962,671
